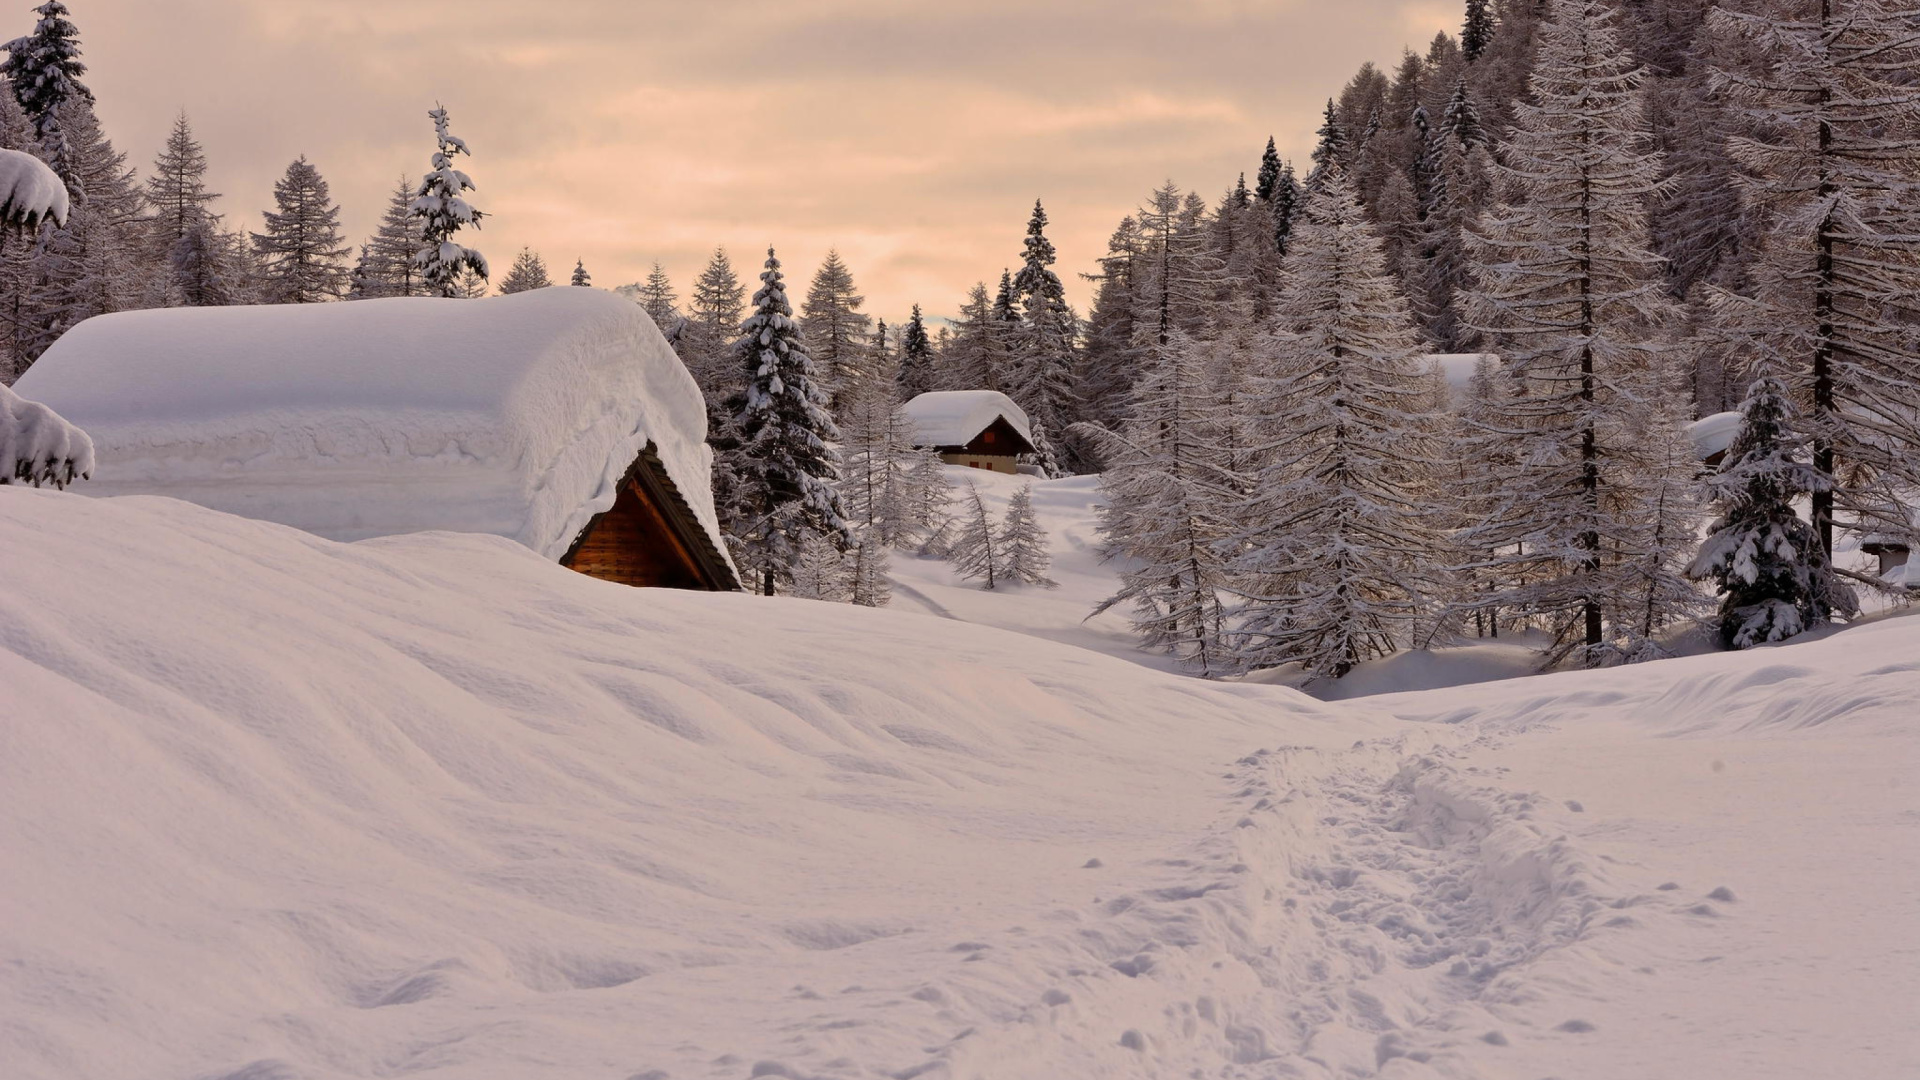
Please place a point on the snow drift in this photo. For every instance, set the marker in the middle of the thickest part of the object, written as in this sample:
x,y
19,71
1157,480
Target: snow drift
x,y
278,808
513,415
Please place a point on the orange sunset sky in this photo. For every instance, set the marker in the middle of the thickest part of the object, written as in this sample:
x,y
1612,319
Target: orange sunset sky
x,y
913,136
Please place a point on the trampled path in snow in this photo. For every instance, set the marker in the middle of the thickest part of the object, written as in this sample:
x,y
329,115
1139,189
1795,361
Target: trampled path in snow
x,y
283,809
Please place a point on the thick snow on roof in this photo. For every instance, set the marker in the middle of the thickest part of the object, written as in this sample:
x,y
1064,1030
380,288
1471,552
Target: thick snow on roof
x,y
1713,434
513,415
955,417
38,446
29,191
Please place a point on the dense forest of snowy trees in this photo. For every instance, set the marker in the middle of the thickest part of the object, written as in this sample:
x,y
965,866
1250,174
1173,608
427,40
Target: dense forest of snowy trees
x,y
1632,210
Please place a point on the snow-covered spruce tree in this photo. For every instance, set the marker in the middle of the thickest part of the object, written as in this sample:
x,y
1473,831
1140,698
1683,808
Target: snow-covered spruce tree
x,y
916,357
1166,492
1774,577
301,253
1023,543
1570,294
441,205
787,470
1339,544
1477,32
1285,206
1833,305
581,279
386,266
43,69
974,549
837,330
1039,377
528,272
1330,150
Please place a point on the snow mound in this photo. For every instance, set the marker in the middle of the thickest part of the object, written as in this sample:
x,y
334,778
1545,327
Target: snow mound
x,y
955,417
30,192
513,415
38,446
1714,434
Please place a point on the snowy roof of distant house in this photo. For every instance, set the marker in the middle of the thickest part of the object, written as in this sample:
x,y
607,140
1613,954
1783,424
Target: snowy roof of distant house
x,y
957,417
516,415
1714,434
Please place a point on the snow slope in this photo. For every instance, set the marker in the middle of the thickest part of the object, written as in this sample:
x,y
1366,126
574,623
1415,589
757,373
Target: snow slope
x,y
276,807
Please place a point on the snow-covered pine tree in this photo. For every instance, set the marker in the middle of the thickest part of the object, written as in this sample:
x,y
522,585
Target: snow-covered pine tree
x,y
974,549
1040,375
441,206
1477,32
1166,490
303,259
787,470
581,279
658,297
837,331
1267,182
1285,206
916,357
1833,308
1774,577
43,69
1340,543
386,266
1571,296
1023,543
1330,150
528,272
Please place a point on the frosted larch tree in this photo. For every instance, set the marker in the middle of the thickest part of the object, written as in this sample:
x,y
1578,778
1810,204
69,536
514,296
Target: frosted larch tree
x,y
657,295
1023,543
1340,542
837,331
302,257
1570,294
1039,376
386,266
974,549
1833,308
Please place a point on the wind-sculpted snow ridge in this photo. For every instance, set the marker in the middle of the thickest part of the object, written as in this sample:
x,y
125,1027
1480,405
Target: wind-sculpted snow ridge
x,y
430,806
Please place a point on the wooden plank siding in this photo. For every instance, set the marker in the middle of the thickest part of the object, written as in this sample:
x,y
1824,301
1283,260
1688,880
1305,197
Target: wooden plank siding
x,y
648,538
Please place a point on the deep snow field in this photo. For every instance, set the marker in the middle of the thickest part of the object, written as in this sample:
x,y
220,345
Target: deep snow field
x,y
277,808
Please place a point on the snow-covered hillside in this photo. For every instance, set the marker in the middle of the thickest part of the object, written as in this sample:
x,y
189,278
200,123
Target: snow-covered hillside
x,y
430,806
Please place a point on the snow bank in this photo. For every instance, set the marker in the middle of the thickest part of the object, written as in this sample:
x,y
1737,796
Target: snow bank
x,y
955,417
514,415
428,804
1714,434
37,446
30,192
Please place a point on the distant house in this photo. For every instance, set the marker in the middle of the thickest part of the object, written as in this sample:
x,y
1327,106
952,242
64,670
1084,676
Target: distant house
x,y
981,429
557,418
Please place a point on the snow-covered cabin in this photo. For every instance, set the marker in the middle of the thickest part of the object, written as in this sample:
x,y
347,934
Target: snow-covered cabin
x,y
981,429
558,418
1712,436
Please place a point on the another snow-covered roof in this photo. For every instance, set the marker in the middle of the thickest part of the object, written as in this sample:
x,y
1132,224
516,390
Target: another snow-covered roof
x,y
514,415
957,417
30,191
1714,434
